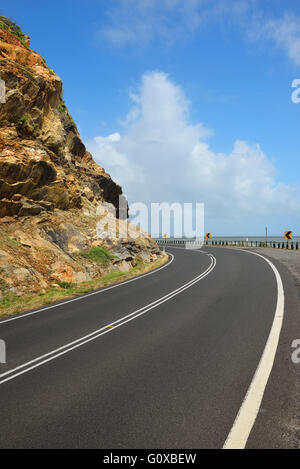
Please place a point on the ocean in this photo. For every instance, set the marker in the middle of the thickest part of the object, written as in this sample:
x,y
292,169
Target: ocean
x,y
253,238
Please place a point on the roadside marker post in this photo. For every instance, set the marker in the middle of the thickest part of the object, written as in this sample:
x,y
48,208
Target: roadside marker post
x,y
287,236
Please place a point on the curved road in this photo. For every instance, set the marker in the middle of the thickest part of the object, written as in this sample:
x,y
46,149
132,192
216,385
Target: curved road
x,y
164,361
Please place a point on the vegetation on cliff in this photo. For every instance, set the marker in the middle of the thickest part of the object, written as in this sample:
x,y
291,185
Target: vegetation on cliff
x,y
11,30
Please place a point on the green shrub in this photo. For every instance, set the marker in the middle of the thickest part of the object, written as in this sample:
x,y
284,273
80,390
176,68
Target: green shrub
x,y
98,254
62,108
24,121
27,121
65,285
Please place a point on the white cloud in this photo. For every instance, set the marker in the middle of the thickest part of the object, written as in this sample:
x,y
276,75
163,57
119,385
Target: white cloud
x,y
285,32
116,137
138,23
132,22
116,161
162,156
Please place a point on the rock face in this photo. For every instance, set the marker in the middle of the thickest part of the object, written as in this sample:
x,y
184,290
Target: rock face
x,y
50,186
44,164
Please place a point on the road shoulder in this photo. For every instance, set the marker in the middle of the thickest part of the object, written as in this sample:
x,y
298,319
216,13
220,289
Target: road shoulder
x,y
280,409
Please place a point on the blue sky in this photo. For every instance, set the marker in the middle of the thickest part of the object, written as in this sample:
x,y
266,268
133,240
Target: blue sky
x,y
140,76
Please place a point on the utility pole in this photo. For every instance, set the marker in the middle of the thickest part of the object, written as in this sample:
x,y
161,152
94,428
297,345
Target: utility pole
x,y
266,236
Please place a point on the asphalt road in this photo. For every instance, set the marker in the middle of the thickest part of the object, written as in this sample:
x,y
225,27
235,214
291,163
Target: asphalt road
x,y
164,361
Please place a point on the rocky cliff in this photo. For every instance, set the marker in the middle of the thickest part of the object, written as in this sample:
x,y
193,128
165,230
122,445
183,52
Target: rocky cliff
x,y
50,187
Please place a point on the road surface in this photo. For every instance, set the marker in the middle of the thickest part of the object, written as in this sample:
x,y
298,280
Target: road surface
x,y
163,361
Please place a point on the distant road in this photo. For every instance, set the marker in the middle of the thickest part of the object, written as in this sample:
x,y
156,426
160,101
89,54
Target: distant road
x,y
164,361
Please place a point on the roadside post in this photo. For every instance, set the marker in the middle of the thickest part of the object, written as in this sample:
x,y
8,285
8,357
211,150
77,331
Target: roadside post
x,y
207,237
288,235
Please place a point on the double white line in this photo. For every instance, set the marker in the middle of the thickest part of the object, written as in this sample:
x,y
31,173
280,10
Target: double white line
x,y
41,360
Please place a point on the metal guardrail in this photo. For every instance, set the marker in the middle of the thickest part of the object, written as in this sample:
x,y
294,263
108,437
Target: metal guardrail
x,y
291,245
171,241
258,244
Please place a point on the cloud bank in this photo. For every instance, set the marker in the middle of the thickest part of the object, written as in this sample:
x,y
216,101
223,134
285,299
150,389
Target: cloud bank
x,y
162,156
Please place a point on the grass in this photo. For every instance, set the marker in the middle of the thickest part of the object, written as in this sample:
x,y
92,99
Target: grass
x,y
10,304
65,285
11,242
98,255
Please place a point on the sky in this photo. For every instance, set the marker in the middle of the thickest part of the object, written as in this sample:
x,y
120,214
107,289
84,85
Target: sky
x,y
184,100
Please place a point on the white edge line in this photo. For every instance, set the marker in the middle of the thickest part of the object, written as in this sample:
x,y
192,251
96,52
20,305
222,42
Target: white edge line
x,y
159,300
104,330
245,419
21,316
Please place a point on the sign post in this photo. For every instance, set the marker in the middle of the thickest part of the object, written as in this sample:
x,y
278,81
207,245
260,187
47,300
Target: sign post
x,y
207,236
287,236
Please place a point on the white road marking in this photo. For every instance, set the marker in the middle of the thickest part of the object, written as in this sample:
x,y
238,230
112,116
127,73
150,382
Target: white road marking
x,y
247,414
21,316
26,367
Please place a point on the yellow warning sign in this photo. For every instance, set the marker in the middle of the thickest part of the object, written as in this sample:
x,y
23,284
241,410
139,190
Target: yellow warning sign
x,y
288,235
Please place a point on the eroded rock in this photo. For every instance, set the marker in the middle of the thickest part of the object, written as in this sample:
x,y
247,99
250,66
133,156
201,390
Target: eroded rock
x,y
50,186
